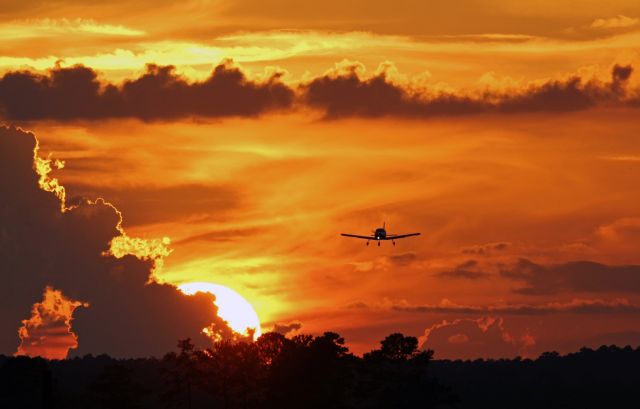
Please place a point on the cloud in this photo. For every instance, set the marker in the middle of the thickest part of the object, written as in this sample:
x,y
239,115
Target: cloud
x,y
623,158
616,240
619,21
43,28
80,253
155,204
403,259
486,249
624,230
458,339
346,94
621,73
48,331
468,338
576,276
224,235
467,270
76,93
285,329
575,306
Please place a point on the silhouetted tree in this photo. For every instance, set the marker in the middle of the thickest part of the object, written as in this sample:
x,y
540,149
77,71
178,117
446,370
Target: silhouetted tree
x,y
395,376
270,346
396,347
182,372
233,374
312,372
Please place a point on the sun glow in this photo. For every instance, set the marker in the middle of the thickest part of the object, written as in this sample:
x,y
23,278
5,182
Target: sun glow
x,y
232,307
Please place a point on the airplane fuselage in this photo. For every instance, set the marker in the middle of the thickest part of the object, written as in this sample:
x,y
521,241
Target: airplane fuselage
x,y
380,234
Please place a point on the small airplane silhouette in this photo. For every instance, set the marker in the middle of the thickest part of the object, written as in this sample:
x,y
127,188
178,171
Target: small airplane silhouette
x,y
381,234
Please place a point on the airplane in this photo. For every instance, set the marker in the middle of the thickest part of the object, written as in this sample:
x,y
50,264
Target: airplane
x,y
381,234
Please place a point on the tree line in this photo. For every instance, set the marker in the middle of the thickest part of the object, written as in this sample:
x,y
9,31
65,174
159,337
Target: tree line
x,y
319,372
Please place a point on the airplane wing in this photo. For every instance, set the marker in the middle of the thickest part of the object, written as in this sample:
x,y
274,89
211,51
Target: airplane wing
x,y
400,236
358,237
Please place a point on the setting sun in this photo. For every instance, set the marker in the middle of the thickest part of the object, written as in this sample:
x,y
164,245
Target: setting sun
x,y
232,307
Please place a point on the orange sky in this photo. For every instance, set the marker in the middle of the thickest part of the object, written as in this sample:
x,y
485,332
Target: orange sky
x,y
530,223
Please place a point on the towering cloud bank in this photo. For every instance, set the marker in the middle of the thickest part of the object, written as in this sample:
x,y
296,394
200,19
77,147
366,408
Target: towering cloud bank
x,y
159,94
76,93
111,303
346,94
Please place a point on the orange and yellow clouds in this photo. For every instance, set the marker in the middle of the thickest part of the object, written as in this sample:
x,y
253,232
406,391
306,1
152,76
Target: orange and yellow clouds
x,y
485,191
505,132
48,332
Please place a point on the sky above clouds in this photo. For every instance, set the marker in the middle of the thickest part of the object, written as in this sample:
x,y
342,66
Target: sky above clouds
x,y
253,133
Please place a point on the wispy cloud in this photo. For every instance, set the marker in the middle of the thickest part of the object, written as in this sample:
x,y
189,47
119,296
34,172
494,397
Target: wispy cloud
x,y
34,28
574,306
619,21
622,158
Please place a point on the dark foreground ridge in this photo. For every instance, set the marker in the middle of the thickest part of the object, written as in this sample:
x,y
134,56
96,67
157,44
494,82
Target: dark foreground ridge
x,y
319,372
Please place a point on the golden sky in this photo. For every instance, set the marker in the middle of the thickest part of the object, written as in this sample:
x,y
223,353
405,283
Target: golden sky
x,y
506,133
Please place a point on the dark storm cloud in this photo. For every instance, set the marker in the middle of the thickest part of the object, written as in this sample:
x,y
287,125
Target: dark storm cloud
x,y
574,276
346,95
159,94
467,270
76,93
41,246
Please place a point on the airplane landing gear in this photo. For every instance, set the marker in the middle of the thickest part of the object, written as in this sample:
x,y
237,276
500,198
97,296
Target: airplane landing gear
x,y
367,242
378,243
394,243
